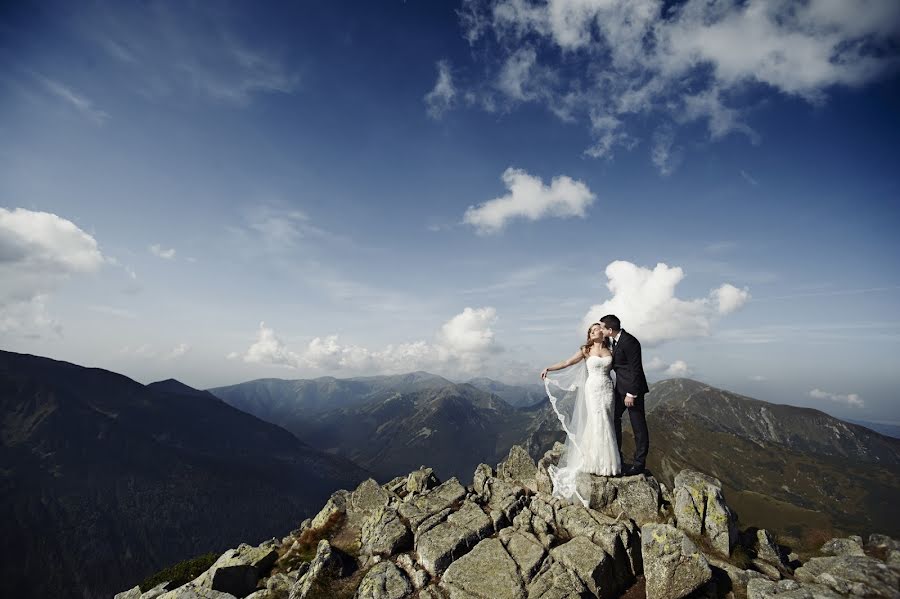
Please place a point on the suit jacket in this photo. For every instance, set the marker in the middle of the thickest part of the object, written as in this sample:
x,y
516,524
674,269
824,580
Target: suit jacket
x,y
628,366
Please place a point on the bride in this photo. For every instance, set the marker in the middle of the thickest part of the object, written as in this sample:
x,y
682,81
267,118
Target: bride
x,y
581,394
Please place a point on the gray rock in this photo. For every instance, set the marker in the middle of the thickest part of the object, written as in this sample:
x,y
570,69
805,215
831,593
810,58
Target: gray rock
x,y
421,480
620,539
877,541
384,581
637,497
396,485
471,517
673,566
518,466
761,588
431,592
417,575
848,546
554,581
738,578
420,507
337,503
328,564
157,591
192,591
526,550
132,593
851,575
279,585
366,499
766,548
483,473
237,570
700,509
542,480
260,594
486,571
384,533
592,566
443,544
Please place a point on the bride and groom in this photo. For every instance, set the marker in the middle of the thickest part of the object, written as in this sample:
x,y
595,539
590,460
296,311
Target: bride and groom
x,y
590,405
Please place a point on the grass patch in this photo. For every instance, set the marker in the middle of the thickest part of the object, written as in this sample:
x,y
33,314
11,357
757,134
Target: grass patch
x,y
181,572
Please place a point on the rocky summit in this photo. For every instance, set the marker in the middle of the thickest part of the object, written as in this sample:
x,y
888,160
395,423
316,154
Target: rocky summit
x,y
506,537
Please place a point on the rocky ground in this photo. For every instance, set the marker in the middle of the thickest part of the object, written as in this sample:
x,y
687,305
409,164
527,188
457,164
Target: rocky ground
x,y
506,537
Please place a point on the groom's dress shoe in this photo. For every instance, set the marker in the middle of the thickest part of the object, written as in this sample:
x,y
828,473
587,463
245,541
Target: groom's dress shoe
x,y
634,470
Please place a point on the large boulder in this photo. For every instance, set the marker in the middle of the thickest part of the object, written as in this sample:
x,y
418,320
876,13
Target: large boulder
x,y
486,571
525,549
700,510
384,580
329,563
234,573
636,497
673,566
336,504
420,507
384,533
592,566
368,497
848,546
518,466
763,588
440,545
619,539
555,581
421,480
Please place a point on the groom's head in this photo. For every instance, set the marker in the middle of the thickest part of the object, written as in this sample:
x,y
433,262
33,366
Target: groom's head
x,y
611,325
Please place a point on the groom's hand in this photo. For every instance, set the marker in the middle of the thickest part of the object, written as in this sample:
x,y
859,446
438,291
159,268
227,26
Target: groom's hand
x,y
629,400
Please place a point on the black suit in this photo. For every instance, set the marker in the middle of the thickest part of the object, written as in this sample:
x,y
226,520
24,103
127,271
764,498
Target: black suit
x,y
630,379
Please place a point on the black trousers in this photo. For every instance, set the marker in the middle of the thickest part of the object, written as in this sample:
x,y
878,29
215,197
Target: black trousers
x,y
638,425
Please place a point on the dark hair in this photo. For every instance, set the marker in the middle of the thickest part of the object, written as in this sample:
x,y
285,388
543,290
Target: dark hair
x,y
587,346
612,322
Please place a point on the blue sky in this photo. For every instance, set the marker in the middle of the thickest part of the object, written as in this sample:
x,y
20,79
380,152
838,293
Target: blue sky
x,y
225,192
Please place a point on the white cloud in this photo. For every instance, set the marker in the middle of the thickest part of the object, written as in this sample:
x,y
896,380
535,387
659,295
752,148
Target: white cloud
x,y
461,345
441,97
38,252
626,59
851,399
644,300
678,368
529,198
665,155
158,250
730,298
178,351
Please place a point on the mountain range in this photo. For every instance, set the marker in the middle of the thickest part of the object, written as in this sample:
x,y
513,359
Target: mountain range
x,y
105,480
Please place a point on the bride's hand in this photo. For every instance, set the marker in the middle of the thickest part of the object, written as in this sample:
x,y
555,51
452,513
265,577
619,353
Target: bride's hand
x,y
544,373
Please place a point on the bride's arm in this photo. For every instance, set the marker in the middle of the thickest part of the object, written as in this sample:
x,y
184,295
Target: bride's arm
x,y
575,359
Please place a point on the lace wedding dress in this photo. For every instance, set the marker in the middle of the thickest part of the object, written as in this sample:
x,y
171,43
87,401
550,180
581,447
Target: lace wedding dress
x,y
582,397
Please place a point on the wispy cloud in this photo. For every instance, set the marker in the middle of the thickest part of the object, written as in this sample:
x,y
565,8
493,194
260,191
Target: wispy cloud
x,y
442,96
752,181
850,399
78,101
161,252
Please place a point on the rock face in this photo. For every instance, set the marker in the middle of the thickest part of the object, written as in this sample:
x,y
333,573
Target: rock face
x,y
507,537
700,510
673,566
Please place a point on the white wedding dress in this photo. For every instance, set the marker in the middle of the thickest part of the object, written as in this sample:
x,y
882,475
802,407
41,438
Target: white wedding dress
x,y
582,397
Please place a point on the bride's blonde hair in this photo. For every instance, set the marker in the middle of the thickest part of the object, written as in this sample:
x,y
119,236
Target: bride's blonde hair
x,y
586,348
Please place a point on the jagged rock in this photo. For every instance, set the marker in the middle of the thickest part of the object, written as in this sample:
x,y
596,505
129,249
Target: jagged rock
x,y
700,509
483,473
542,481
737,578
417,575
132,593
619,539
554,581
637,497
279,585
384,532
337,503
443,544
471,517
158,590
367,498
432,521
486,571
421,507
193,591
260,594
328,563
673,566
761,588
396,485
848,546
421,480
766,549
237,571
851,575
384,581
592,565
525,549
518,466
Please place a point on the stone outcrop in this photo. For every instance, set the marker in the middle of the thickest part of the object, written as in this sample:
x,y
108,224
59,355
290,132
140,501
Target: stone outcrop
x,y
700,510
507,536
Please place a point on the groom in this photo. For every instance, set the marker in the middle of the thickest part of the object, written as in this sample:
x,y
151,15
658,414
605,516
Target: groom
x,y
631,385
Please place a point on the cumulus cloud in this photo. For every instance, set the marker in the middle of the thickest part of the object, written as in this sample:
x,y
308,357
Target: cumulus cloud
x,y
645,301
678,368
459,346
618,61
161,252
850,399
38,252
529,198
441,97
178,351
